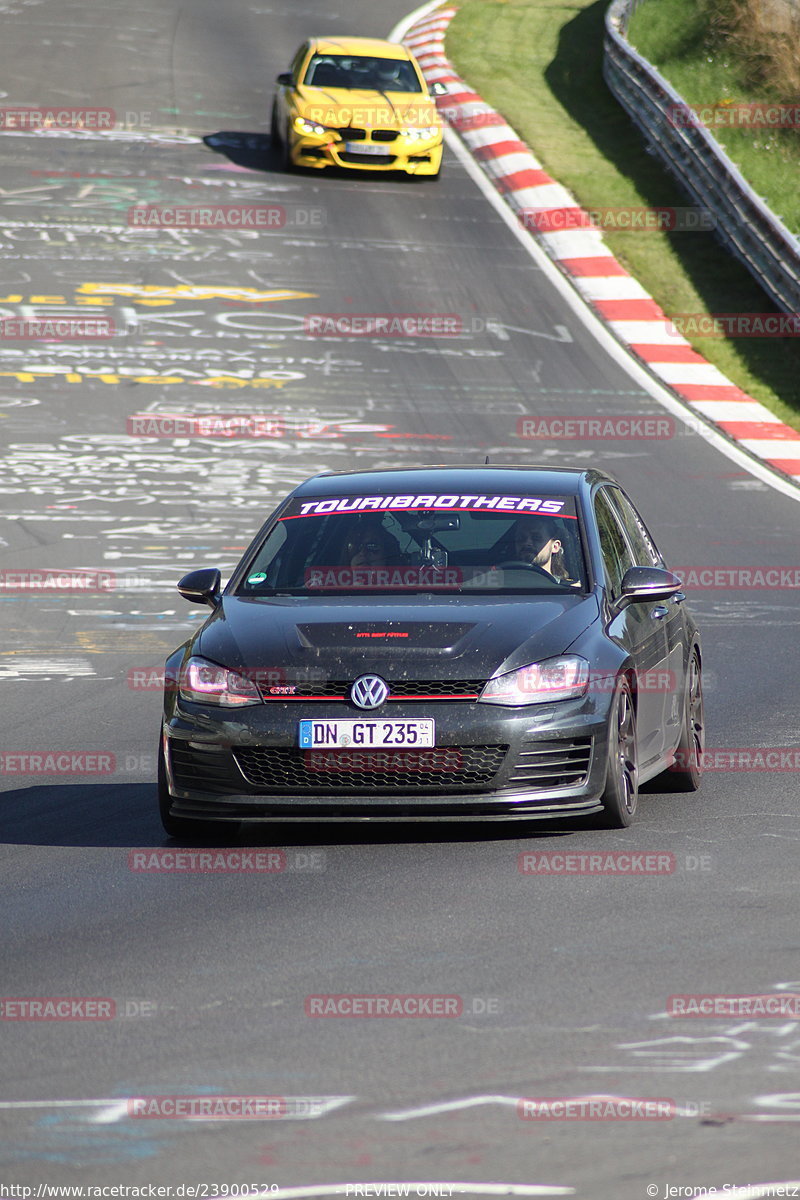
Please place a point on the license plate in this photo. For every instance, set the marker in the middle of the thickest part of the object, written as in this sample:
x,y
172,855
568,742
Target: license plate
x,y
365,148
366,735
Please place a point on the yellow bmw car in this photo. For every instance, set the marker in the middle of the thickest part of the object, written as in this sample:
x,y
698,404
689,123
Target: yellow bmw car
x,y
356,102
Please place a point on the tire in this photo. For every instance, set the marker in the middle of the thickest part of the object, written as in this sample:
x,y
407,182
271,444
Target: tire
x,y
685,774
621,796
183,828
279,142
284,156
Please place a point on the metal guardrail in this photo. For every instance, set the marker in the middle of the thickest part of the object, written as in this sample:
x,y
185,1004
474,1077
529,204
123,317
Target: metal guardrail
x,y
743,221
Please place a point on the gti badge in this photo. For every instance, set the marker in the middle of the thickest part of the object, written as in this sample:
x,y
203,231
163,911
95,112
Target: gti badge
x,y
369,691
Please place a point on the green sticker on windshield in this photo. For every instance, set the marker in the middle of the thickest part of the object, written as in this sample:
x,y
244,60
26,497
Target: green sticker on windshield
x,y
259,577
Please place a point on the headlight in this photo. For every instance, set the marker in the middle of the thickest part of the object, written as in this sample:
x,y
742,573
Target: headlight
x,y
206,683
420,135
304,126
554,679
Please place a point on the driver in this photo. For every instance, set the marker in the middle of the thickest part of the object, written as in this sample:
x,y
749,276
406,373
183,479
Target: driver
x,y
536,542
387,74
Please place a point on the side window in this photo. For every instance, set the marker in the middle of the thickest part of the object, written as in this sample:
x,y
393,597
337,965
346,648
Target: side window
x,y
616,555
643,546
297,62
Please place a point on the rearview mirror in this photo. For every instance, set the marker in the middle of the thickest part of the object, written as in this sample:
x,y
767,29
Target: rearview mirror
x,y
435,523
285,79
437,89
201,587
649,583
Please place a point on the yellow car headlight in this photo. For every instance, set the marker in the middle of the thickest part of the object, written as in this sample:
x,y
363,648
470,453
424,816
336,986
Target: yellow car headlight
x,y
304,126
421,135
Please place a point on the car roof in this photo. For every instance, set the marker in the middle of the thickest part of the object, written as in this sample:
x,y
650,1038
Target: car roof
x,y
373,47
564,481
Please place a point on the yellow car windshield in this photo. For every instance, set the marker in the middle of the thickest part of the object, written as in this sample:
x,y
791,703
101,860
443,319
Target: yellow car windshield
x,y
363,73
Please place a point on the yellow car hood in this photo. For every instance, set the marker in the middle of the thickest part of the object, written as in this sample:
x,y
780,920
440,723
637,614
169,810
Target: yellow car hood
x,y
340,107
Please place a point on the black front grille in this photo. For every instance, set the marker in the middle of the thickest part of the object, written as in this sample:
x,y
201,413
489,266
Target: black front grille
x,y
352,134
456,689
378,160
383,135
563,763
446,768
406,689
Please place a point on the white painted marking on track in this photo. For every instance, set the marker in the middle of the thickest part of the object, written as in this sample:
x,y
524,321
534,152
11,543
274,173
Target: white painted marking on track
x,y
429,1110
433,1110
110,1114
114,1109
402,27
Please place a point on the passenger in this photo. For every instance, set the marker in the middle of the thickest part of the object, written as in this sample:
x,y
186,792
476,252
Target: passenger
x,y
373,546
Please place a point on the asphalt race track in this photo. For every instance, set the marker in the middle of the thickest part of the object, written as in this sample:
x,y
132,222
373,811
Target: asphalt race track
x,y
564,980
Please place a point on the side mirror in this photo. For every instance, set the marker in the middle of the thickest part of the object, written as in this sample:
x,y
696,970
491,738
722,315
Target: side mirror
x,y
285,79
201,587
649,583
437,89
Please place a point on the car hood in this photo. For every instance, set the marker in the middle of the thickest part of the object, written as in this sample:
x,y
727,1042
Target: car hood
x,y
417,639
366,109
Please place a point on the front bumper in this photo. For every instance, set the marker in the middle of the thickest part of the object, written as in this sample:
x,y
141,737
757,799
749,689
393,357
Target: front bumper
x,y
412,157
490,763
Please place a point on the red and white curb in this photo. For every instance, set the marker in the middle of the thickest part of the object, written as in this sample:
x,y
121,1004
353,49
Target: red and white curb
x,y
581,253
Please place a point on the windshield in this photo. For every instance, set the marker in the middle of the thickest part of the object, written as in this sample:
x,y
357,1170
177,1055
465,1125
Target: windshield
x,y
491,544
358,71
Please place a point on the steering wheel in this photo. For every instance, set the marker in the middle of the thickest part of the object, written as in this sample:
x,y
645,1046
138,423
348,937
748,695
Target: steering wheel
x,y
521,565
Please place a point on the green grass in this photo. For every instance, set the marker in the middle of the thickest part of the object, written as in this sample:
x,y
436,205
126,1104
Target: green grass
x,y
539,63
707,67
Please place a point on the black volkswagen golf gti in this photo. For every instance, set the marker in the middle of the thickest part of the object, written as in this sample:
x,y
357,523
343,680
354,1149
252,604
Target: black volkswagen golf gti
x,y
435,643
